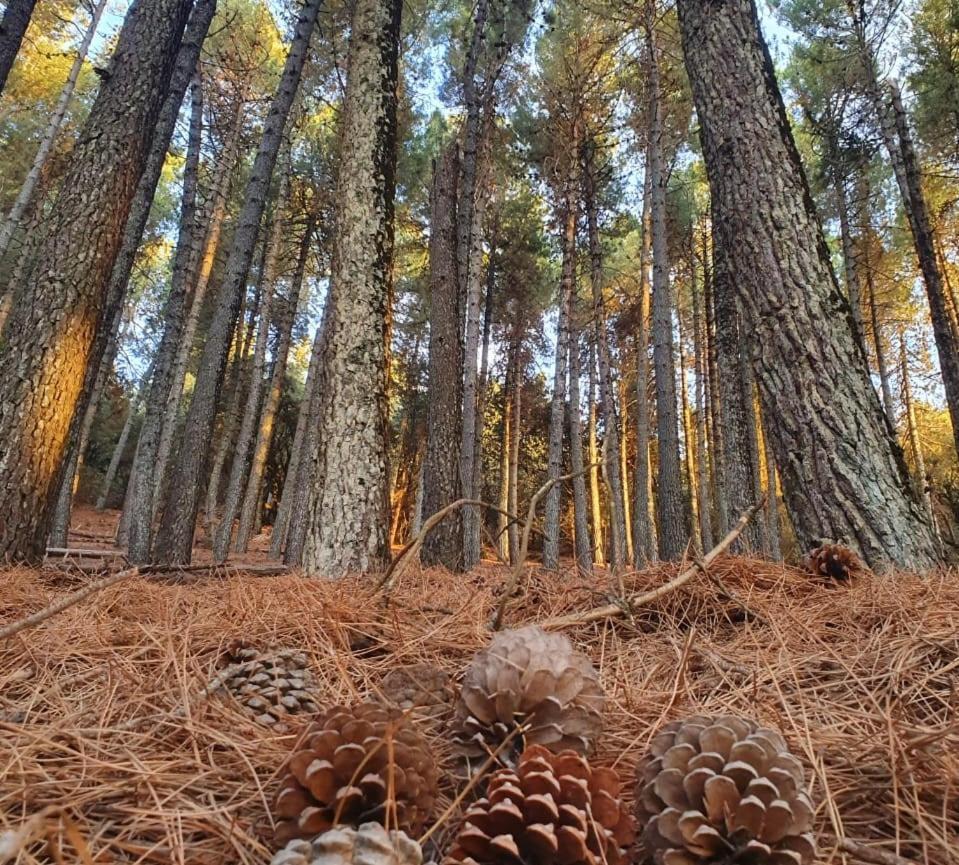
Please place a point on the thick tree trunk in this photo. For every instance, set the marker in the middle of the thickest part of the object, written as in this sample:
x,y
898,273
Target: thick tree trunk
x,y
50,337
716,441
611,432
670,511
843,475
15,21
441,468
644,527
264,436
472,539
243,449
181,497
581,539
25,195
557,415
592,451
349,512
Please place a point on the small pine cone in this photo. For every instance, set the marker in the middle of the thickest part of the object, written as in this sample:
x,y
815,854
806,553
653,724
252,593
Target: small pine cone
x,y
370,844
553,808
273,684
834,561
723,790
351,761
421,689
529,676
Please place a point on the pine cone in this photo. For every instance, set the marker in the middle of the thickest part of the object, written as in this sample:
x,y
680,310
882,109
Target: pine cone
x,y
529,676
343,774
371,844
834,561
273,684
421,689
723,790
552,809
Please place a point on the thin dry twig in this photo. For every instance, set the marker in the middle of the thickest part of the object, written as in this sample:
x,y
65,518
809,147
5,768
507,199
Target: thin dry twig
x,y
630,604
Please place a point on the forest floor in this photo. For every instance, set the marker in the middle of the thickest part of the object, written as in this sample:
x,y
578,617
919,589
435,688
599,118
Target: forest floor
x,y
111,751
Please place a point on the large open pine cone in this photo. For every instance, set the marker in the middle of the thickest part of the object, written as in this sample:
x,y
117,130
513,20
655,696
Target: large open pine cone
x,y
421,689
370,844
834,561
723,790
352,760
529,676
273,684
553,809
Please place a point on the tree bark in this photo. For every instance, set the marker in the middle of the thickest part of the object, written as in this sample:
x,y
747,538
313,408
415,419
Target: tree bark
x,y
581,539
349,512
595,500
912,429
644,527
505,448
243,449
897,138
689,444
557,415
702,467
670,511
516,433
441,467
843,475
264,435
50,337
773,534
181,497
15,21
25,195
717,440
611,432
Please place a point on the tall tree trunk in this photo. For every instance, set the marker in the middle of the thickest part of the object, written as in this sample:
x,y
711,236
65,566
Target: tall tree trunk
x,y
611,433
716,441
644,527
702,467
624,465
181,497
689,445
557,415
29,186
349,512
205,247
49,340
912,429
747,383
505,446
242,451
472,542
581,539
441,468
670,511
144,472
595,500
517,418
850,270
897,137
264,436
842,472
15,21
293,514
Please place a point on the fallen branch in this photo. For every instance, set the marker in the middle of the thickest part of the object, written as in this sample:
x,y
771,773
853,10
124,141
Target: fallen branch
x,y
64,552
67,602
630,604
517,574
863,853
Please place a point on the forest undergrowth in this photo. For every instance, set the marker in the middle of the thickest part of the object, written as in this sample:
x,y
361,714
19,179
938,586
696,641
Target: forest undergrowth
x,y
113,749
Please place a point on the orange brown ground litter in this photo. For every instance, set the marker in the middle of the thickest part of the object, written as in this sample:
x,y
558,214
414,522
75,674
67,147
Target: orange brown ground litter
x,y
862,679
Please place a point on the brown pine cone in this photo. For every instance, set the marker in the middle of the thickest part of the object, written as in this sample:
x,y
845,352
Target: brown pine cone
x,y
272,685
553,809
421,689
529,676
834,561
723,790
351,762
370,844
